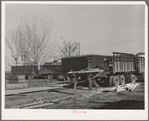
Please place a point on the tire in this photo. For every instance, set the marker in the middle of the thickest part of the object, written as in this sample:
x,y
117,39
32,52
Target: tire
x,y
30,77
50,77
66,78
110,80
115,81
122,79
132,78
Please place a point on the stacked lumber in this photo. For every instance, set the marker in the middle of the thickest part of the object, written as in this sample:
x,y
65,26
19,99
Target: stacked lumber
x,y
126,87
16,82
132,87
91,93
13,79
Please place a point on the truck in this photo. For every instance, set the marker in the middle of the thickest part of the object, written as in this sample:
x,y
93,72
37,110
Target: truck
x,y
118,69
48,70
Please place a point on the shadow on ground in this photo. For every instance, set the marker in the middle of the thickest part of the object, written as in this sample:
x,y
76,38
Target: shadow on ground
x,y
123,104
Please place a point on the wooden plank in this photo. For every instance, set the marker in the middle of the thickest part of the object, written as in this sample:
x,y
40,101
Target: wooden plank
x,y
39,106
60,85
28,90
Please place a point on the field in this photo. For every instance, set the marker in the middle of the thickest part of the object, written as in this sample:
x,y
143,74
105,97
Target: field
x,y
108,100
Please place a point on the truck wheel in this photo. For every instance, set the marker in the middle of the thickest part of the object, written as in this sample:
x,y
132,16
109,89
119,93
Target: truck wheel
x,y
50,76
132,78
30,77
66,78
122,79
110,80
115,81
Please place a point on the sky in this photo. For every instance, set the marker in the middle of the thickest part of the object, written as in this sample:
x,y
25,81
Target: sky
x,y
100,29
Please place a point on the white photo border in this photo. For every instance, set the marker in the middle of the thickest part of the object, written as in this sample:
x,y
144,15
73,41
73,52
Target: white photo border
x,y
59,114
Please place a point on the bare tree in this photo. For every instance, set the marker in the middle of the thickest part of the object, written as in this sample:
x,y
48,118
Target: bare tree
x,y
31,39
68,49
12,48
38,31
16,44
24,43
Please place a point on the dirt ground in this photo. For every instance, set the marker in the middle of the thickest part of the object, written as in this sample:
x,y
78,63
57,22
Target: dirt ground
x,y
109,100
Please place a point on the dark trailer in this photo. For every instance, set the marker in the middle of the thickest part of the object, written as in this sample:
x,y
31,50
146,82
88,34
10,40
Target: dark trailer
x,y
50,71
29,71
84,62
47,70
77,63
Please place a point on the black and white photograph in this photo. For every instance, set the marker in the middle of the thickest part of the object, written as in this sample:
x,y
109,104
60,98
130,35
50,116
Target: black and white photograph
x,y
74,60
